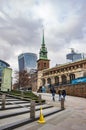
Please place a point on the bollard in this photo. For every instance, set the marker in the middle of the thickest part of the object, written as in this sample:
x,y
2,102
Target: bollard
x,y
3,101
32,109
62,103
40,98
22,94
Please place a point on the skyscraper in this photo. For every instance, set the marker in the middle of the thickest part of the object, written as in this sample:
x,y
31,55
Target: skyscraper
x,y
74,56
27,61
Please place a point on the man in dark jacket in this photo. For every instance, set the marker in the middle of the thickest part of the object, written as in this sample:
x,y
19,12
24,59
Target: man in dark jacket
x,y
64,93
53,91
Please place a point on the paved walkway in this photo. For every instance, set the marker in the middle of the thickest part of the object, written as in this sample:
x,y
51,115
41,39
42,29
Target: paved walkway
x,y
72,118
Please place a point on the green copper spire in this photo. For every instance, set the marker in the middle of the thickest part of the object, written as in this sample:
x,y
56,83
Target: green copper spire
x,y
43,50
43,42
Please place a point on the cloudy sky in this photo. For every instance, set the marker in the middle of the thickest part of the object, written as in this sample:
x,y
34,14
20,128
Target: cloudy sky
x,y
22,23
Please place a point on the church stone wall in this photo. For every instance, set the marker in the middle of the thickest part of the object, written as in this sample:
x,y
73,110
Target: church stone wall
x,y
78,90
39,81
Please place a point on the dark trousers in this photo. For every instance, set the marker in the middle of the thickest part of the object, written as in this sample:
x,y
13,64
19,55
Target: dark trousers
x,y
53,95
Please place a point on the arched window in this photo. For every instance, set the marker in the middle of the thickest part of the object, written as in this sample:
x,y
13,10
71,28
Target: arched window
x,y
43,81
56,80
64,79
49,80
72,76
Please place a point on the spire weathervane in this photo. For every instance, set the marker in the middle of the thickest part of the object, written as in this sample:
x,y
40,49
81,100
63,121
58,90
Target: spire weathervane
x,y
43,41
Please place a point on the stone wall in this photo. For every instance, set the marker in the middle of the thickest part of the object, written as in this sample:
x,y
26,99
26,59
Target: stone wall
x,y
78,90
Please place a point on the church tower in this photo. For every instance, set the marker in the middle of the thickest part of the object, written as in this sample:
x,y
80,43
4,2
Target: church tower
x,y
43,62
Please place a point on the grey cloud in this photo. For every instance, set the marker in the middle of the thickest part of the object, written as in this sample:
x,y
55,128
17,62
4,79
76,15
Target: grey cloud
x,y
6,51
31,29
21,31
62,38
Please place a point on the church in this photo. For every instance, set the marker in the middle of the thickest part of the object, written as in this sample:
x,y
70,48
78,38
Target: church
x,y
59,75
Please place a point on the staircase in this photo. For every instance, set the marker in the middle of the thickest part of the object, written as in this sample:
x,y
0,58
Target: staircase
x,y
17,112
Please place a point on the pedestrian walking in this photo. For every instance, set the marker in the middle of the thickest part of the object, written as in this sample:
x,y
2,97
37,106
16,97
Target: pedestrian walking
x,y
43,89
53,91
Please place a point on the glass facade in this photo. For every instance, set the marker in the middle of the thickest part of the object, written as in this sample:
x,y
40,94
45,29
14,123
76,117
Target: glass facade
x,y
27,61
74,56
3,65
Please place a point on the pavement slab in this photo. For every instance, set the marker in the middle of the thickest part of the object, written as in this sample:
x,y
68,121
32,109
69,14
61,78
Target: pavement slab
x,y
73,118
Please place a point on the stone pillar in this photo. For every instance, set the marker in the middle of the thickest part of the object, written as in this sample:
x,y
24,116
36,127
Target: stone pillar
x,y
45,81
60,79
22,94
3,101
52,80
32,109
62,103
68,78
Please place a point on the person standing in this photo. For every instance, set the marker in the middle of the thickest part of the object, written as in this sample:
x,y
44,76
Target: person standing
x,y
60,94
43,89
64,93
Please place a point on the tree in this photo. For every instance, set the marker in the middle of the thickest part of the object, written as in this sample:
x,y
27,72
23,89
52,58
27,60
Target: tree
x,y
23,80
16,82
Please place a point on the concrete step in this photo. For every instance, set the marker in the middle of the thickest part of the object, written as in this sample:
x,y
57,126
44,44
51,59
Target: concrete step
x,y
14,112
14,102
17,121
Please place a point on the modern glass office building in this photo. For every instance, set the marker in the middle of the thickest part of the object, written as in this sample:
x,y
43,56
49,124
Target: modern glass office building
x,y
3,65
74,56
5,76
27,61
